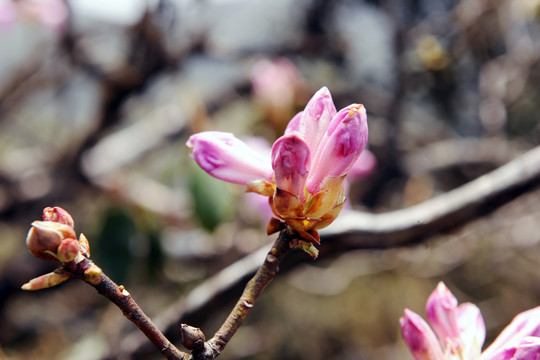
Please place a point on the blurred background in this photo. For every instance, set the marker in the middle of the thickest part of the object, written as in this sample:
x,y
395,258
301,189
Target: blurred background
x,y
97,100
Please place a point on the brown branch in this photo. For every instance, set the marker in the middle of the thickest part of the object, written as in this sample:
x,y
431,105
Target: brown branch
x,y
131,310
253,289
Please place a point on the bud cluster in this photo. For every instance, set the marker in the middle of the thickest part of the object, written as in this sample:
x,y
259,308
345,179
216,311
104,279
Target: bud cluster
x,y
55,239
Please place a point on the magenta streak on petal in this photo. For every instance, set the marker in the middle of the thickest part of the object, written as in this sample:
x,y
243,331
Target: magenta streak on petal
x,y
524,324
339,149
228,158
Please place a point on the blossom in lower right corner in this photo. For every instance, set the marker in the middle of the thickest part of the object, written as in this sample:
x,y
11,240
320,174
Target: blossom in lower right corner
x,y
457,332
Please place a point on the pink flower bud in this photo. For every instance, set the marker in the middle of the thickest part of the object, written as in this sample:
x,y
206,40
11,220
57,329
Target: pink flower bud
x,y
441,311
313,122
310,163
45,237
419,337
341,146
57,214
290,161
227,158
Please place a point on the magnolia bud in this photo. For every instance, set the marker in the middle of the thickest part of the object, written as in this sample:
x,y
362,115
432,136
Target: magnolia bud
x,y
192,337
57,214
45,237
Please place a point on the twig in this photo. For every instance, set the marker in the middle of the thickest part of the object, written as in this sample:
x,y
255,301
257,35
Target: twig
x,y
121,298
253,289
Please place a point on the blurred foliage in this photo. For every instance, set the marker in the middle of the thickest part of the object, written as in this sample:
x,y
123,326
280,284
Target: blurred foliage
x,y
212,199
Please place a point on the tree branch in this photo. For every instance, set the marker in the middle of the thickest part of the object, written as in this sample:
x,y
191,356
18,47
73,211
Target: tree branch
x,y
253,289
122,298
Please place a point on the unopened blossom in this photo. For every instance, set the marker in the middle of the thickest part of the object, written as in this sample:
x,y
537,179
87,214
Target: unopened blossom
x,y
55,239
304,176
457,332
276,84
45,237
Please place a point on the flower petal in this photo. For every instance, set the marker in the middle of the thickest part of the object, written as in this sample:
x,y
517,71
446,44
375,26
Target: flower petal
x,y
472,330
419,337
524,324
294,124
441,311
227,158
290,161
527,349
314,120
363,166
340,147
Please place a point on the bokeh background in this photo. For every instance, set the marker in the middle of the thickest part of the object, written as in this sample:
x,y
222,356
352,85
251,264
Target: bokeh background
x,y
97,100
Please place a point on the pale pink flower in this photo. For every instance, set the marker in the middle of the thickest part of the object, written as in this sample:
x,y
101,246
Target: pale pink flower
x,y
457,332
276,82
304,176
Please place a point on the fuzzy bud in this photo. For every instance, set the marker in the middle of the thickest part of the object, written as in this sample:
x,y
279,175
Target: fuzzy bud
x,y
45,237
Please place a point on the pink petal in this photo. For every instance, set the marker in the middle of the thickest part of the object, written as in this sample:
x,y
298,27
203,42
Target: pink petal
x,y
290,161
527,349
523,325
472,329
294,124
340,148
315,118
227,158
419,337
441,311
363,166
